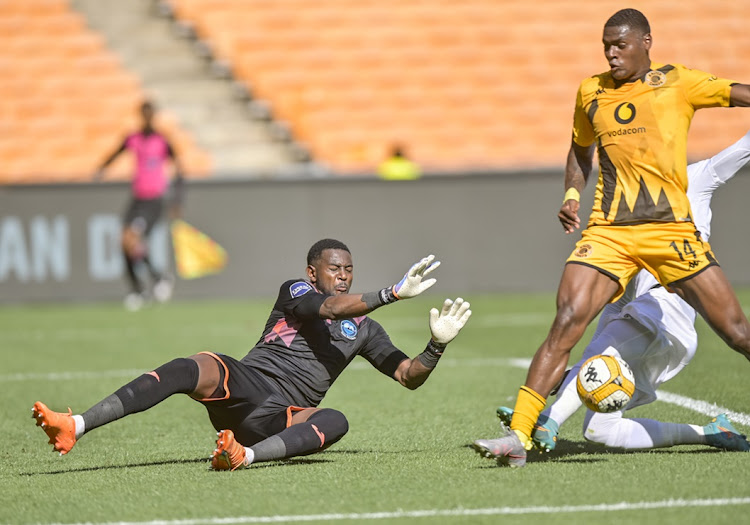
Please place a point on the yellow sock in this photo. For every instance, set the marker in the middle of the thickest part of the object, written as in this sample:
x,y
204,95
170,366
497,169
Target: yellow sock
x,y
528,407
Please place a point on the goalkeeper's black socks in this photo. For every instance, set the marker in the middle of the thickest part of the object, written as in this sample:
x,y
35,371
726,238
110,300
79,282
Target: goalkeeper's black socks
x,y
324,428
145,391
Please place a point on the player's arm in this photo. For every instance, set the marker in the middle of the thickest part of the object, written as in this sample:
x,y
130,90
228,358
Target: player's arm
x,y
444,327
577,171
729,161
706,176
412,284
99,173
580,157
739,96
178,184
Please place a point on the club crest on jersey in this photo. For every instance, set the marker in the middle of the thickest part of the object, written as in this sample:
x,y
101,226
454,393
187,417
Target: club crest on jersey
x,y
583,251
656,78
349,329
299,289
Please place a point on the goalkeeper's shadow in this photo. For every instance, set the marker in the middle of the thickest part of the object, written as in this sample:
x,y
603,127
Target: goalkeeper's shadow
x,y
290,462
74,470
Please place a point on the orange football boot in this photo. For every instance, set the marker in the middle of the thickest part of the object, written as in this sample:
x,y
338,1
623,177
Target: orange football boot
x,y
59,427
228,455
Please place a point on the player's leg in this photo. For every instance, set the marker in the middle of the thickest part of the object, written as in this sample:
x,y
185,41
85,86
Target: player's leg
x,y
618,336
195,375
309,431
151,212
312,430
648,355
132,255
583,292
140,218
624,337
710,293
613,430
678,255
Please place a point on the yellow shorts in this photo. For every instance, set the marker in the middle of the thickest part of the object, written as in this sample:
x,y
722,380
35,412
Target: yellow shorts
x,y
671,251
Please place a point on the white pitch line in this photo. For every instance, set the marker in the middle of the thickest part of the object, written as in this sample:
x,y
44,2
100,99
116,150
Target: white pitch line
x,y
68,376
437,513
702,407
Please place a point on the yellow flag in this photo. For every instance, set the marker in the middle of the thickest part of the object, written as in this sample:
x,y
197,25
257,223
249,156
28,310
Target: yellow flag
x,y
195,253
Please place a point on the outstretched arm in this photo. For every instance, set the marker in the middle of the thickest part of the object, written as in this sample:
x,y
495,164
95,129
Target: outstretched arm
x,y
739,96
99,173
352,305
706,176
577,170
444,327
729,161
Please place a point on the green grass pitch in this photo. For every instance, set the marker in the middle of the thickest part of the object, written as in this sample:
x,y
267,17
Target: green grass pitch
x,y
405,459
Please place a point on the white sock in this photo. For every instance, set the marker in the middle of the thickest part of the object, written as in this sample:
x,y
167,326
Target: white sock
x,y
249,456
80,426
567,402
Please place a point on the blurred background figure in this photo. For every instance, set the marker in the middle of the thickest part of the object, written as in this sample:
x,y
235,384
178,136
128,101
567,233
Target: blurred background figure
x,y
398,167
150,184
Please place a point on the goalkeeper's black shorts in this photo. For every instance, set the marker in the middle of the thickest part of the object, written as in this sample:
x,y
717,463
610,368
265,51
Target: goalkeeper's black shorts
x,y
247,403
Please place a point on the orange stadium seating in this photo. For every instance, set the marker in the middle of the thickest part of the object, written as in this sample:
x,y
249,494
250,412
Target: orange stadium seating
x,y
464,84
66,101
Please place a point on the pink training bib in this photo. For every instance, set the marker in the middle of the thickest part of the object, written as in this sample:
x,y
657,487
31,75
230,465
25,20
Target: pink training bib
x,y
151,153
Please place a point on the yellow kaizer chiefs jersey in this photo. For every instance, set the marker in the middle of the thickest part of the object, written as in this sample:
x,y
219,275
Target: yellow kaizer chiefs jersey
x,y
640,129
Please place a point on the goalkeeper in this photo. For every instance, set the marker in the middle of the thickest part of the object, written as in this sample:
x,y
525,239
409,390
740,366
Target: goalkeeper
x,y
265,406
653,331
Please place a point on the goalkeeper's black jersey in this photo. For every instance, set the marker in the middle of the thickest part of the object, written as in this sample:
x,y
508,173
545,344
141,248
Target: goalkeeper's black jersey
x,y
304,354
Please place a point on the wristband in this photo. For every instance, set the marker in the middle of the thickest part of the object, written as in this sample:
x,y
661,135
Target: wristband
x,y
377,299
432,354
571,195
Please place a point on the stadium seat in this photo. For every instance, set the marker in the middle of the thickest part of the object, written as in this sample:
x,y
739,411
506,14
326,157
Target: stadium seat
x,y
476,65
68,95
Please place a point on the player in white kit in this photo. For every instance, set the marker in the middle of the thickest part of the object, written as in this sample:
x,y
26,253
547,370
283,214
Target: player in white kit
x,y
654,332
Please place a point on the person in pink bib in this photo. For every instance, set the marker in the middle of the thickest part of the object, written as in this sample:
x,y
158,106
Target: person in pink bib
x,y
149,188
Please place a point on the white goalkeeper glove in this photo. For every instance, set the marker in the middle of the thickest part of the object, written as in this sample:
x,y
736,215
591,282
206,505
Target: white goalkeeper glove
x,y
446,324
413,282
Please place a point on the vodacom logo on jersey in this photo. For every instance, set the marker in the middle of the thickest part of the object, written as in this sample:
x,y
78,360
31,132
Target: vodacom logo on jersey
x,y
625,113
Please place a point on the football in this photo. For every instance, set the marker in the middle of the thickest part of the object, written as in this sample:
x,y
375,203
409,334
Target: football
x,y
605,383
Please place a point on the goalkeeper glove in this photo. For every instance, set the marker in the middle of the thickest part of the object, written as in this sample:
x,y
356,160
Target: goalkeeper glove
x,y
446,324
413,282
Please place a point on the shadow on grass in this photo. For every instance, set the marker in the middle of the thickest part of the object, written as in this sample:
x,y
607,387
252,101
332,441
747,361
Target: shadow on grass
x,y
586,452
296,461
111,467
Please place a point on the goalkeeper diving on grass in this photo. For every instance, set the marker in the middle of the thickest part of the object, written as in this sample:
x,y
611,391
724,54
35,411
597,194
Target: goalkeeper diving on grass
x,y
265,406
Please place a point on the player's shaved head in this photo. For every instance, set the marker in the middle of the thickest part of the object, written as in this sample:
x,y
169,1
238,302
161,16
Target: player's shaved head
x,y
632,18
316,250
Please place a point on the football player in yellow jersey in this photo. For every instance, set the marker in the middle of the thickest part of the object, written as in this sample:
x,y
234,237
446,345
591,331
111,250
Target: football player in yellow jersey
x,y
637,116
